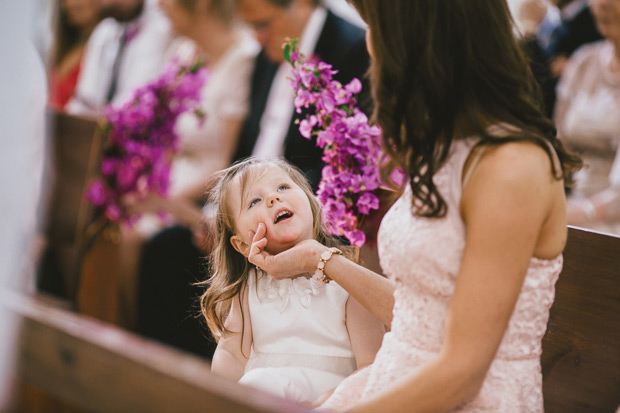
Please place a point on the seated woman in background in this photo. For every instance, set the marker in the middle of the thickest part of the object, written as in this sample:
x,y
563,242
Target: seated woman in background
x,y
588,120
208,31
75,20
600,210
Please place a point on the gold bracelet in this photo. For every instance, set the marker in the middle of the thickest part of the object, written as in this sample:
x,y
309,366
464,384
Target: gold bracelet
x,y
320,267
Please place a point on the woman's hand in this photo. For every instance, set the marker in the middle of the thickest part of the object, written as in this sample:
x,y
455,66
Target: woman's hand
x,y
302,258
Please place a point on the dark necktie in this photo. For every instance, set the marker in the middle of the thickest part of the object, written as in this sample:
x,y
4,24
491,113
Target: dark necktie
x,y
116,66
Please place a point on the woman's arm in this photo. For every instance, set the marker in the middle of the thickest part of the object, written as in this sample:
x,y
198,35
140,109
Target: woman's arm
x,y
513,209
373,291
365,332
233,349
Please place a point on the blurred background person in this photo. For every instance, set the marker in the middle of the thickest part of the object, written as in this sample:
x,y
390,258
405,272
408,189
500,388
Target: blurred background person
x,y
271,127
208,33
74,22
124,51
567,25
167,298
529,15
588,119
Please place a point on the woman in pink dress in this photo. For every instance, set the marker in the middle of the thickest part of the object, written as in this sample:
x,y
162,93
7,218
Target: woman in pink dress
x,y
473,247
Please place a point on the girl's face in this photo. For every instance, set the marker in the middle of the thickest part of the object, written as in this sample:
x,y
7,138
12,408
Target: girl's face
x,y
271,197
607,15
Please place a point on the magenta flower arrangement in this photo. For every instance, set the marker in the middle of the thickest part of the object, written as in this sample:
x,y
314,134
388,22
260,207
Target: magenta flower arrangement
x,y
140,141
351,147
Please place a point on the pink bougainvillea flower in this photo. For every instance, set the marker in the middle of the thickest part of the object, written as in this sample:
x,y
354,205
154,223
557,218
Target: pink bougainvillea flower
x,y
141,141
351,147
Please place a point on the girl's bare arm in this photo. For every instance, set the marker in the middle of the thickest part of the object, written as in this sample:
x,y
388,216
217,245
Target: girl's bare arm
x,y
233,349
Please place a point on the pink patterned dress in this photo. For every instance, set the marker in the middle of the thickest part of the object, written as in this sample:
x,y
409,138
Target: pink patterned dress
x,y
423,257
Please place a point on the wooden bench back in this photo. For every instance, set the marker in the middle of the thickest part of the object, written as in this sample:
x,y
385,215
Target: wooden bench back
x,y
581,349
75,146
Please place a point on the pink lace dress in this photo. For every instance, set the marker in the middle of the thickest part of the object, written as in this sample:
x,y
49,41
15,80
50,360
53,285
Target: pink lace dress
x,y
423,257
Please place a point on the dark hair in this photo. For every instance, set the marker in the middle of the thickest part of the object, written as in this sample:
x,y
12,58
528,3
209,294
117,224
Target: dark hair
x,y
66,35
229,268
444,70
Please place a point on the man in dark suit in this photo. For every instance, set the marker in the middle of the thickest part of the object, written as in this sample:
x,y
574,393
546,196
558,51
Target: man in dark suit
x,y
326,37
170,261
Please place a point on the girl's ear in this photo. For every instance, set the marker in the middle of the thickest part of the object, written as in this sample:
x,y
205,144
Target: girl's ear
x,y
242,247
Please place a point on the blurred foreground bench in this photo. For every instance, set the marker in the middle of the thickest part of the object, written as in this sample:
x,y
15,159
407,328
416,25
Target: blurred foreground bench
x,y
99,367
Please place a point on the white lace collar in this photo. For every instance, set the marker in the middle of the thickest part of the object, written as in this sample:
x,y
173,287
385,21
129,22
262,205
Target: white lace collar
x,y
270,289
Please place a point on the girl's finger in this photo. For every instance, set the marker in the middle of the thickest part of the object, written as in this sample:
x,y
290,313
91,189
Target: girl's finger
x,y
261,231
256,248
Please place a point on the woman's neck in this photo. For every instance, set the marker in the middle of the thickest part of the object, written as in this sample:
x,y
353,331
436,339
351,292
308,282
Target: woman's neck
x,y
214,38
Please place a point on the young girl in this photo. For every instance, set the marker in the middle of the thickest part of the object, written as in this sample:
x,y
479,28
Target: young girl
x,y
299,337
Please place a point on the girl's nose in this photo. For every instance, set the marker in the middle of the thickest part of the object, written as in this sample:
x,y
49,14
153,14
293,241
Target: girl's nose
x,y
273,198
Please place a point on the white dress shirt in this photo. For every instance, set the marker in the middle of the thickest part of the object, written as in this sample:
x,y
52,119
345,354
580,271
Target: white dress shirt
x,y
142,59
279,108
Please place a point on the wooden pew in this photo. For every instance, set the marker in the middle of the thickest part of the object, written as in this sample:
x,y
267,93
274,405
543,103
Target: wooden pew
x,y
581,349
99,367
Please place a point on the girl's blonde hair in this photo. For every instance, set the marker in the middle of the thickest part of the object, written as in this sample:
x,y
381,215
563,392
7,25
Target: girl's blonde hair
x,y
229,268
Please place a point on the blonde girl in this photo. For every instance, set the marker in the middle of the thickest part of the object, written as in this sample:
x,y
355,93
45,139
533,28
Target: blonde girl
x,y
296,338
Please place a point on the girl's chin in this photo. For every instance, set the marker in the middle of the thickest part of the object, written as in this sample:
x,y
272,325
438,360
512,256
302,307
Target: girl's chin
x,y
278,248
282,244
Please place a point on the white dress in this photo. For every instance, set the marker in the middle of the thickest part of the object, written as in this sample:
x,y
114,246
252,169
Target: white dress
x,y
301,346
223,99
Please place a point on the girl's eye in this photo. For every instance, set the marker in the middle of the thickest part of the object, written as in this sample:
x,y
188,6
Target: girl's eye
x,y
282,187
254,202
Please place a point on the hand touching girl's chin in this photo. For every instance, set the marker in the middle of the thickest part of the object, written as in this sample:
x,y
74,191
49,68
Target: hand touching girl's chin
x,y
281,241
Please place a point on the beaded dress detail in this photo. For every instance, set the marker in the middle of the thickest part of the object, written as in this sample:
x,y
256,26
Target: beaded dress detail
x,y
423,257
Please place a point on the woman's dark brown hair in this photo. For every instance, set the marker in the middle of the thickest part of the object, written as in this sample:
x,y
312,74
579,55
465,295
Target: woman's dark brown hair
x,y
67,36
444,70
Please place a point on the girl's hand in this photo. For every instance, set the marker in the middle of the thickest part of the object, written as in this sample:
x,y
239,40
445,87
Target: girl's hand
x,y
302,258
